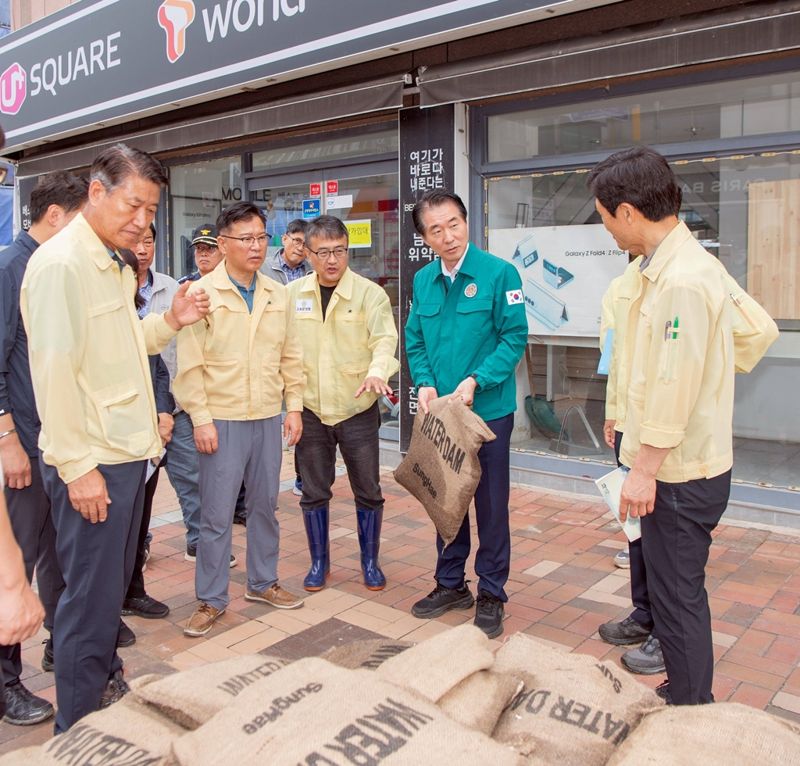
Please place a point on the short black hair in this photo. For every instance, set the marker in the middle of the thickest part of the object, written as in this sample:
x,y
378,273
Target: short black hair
x,y
153,229
113,165
327,227
61,188
240,211
434,198
639,176
297,226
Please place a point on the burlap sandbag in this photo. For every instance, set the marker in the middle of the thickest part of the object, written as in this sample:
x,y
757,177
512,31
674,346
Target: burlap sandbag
x,y
369,653
314,712
433,667
125,734
725,733
29,756
573,709
191,697
477,701
441,468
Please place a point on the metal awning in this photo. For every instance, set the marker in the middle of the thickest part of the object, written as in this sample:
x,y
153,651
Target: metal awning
x,y
747,31
368,97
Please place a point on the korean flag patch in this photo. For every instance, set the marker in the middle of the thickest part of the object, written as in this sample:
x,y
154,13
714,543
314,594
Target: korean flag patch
x,y
513,297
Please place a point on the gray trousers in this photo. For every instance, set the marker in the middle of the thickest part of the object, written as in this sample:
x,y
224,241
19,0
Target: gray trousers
x,y
29,512
248,450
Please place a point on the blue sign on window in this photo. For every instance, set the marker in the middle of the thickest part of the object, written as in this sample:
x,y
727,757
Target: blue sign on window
x,y
311,208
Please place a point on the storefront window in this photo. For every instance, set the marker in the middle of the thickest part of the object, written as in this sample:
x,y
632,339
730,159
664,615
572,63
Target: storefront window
x,y
743,209
329,150
198,192
691,114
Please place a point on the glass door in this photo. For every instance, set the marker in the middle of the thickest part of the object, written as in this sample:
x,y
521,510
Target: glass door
x,y
364,196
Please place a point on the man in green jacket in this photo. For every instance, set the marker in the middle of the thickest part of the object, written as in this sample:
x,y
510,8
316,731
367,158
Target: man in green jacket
x,y
465,334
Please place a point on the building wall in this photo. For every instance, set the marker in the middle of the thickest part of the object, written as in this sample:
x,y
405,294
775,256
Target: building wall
x,y
24,12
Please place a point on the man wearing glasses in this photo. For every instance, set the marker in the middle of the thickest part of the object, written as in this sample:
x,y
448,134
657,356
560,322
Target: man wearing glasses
x,y
234,371
349,339
290,262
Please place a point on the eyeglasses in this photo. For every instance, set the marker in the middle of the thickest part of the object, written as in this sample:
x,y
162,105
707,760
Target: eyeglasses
x,y
325,253
297,242
248,241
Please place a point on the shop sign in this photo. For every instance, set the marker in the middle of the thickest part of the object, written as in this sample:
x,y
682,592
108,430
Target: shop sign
x,y
339,202
315,190
427,158
332,187
100,62
359,233
311,208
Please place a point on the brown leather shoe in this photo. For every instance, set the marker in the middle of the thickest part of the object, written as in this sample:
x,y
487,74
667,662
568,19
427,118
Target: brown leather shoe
x,y
275,596
201,621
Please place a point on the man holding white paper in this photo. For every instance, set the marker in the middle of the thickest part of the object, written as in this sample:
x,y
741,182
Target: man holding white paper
x,y
678,439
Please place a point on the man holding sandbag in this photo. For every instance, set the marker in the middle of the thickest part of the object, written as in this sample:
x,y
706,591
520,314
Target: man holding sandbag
x,y
465,334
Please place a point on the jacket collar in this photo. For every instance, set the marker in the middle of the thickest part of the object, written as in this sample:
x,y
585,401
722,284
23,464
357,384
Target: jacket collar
x,y
310,284
221,281
665,251
93,246
468,267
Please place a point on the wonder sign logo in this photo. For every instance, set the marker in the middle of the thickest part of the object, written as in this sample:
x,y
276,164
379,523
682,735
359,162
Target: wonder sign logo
x,y
13,89
174,17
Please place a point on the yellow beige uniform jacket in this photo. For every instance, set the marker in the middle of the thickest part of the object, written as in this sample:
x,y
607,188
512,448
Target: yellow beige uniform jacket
x,y
615,306
234,365
358,339
680,352
88,355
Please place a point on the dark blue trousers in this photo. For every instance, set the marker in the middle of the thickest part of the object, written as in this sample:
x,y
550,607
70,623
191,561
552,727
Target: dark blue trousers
x,y
96,561
493,559
676,538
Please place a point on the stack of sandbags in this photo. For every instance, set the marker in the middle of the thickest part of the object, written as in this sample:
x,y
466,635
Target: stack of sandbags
x,y
191,697
365,654
314,712
452,670
573,710
725,733
126,734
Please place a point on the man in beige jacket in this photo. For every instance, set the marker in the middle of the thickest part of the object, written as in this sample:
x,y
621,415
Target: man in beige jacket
x,y
678,440
91,379
234,371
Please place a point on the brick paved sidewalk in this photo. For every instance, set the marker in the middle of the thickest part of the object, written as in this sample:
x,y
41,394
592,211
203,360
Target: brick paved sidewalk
x,y
563,585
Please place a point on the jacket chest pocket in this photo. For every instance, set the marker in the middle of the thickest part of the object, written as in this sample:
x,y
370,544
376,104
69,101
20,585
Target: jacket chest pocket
x,y
475,316
430,321
111,337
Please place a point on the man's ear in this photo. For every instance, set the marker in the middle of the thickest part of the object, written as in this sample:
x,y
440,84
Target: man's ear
x,y
96,192
626,212
54,216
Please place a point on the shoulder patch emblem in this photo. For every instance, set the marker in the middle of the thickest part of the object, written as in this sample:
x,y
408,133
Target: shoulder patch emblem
x,y
513,297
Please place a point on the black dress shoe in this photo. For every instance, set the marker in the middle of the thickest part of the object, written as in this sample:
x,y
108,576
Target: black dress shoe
x,y
126,636
116,688
145,606
662,690
489,614
441,600
48,662
24,708
628,631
